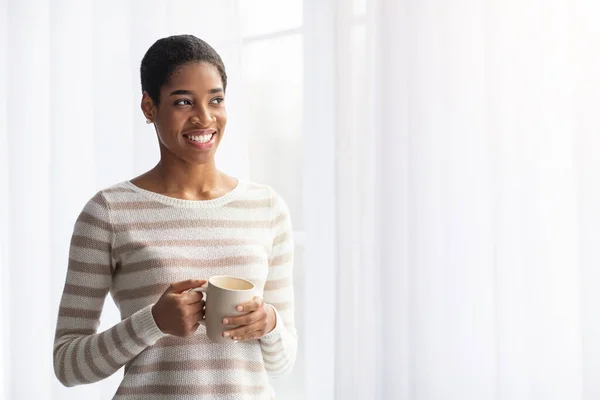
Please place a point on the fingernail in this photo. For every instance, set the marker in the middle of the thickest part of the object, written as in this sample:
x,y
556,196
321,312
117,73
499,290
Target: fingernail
x,y
240,308
235,338
225,321
226,334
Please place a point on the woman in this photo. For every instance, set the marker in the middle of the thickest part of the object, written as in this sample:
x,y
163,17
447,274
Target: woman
x,y
150,240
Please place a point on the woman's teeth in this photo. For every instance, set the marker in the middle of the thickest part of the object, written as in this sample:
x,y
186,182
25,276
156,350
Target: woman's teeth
x,y
201,138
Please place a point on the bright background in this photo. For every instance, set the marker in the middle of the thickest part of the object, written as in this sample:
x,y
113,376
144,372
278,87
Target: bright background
x,y
440,160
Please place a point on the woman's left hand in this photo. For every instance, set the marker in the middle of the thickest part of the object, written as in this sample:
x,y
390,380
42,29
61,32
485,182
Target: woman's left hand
x,y
258,321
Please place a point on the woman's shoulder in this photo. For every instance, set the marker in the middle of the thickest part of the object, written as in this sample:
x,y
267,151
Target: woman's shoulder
x,y
120,187
112,193
117,191
262,196
261,191
254,188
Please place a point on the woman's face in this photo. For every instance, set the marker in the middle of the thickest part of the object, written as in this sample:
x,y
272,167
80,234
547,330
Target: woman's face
x,y
191,117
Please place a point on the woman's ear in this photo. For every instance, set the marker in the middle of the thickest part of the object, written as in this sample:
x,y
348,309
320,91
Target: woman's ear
x,y
148,108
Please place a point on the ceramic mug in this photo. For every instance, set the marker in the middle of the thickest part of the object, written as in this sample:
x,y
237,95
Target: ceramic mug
x,y
223,295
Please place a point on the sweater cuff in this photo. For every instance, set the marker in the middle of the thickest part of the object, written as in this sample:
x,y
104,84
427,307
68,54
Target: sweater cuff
x,y
277,332
145,326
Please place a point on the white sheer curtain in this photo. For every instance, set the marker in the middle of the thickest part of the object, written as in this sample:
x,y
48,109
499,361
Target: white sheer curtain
x,y
69,125
449,201
468,192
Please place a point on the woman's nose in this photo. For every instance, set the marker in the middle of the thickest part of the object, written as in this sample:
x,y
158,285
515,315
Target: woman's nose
x,y
203,117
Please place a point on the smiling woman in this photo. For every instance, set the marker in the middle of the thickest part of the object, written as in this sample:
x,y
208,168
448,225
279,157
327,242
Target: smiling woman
x,y
152,239
184,83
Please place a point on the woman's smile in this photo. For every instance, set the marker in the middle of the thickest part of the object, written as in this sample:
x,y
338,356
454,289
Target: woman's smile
x,y
201,139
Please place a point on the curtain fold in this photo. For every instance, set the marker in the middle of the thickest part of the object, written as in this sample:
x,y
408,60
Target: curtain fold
x,y
467,173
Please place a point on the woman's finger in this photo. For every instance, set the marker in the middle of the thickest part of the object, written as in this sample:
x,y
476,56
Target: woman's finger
x,y
201,309
245,331
194,309
243,320
252,305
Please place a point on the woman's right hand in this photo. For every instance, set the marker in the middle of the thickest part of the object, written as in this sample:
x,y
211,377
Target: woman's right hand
x,y
179,311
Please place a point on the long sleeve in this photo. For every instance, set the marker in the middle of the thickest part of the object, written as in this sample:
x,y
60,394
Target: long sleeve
x,y
80,354
279,346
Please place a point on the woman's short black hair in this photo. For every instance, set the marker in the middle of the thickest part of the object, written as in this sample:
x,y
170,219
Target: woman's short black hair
x,y
167,54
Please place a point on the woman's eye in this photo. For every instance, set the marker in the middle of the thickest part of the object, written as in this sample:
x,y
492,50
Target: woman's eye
x,y
217,100
183,102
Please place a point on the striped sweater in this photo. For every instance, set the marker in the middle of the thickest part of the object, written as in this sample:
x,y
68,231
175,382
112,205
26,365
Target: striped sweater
x,y
133,243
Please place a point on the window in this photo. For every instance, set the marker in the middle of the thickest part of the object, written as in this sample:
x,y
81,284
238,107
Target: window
x,y
275,38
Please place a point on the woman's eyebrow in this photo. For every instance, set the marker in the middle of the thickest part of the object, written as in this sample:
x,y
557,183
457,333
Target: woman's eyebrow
x,y
181,91
189,92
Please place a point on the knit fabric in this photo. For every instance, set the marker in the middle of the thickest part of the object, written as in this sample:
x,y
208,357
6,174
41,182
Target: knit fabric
x,y
134,243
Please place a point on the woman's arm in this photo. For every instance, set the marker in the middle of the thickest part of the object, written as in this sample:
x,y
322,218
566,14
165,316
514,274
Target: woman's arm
x,y
80,354
279,346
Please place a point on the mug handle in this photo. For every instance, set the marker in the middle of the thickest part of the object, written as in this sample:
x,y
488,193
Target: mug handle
x,y
201,289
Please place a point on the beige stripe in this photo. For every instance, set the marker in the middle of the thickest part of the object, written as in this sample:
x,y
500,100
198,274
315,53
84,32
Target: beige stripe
x,y
272,364
96,269
89,360
149,291
120,346
171,341
278,284
154,290
56,349
144,291
267,347
119,190
190,224
281,259
127,366
85,242
91,220
250,204
189,390
137,245
75,332
282,238
106,354
282,306
191,263
62,368
275,358
131,332
79,313
271,352
197,365
137,205
280,218
99,199
76,367
194,342
85,291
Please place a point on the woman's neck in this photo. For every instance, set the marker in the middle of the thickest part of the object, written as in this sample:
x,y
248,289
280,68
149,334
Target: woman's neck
x,y
186,181
185,176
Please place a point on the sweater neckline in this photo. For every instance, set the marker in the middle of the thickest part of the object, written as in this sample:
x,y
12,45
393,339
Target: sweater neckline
x,y
182,203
